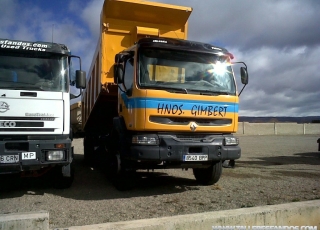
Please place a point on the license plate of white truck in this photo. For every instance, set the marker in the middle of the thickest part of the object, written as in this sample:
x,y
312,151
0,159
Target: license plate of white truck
x,y
7,159
195,157
28,155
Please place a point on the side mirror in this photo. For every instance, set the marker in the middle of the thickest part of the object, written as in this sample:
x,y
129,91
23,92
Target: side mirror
x,y
81,80
118,73
244,75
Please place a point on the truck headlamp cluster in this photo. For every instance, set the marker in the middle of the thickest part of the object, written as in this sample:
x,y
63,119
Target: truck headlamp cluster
x,y
55,155
231,141
145,140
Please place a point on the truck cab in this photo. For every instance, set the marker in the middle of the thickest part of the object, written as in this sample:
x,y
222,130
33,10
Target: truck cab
x,y
177,106
34,109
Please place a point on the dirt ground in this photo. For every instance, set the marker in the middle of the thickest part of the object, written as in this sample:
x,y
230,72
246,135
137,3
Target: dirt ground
x,y
271,170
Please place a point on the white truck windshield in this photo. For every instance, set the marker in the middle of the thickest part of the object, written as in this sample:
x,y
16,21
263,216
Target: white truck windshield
x,y
45,73
186,71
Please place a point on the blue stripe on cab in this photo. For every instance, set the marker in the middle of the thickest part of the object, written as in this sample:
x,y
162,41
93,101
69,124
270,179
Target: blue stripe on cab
x,y
156,103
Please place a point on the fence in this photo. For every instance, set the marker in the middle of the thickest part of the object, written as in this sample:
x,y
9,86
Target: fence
x,y
278,128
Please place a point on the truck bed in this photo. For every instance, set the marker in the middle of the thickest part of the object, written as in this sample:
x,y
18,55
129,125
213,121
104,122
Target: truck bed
x,y
123,22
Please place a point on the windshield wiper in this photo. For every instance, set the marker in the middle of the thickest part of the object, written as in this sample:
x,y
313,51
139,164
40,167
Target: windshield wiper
x,y
209,92
170,89
24,87
185,90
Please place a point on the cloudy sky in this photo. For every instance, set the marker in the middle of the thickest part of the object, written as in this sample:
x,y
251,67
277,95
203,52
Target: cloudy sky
x,y
278,39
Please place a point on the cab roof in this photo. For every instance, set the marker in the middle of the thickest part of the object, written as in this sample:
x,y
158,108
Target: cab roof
x,y
172,43
33,46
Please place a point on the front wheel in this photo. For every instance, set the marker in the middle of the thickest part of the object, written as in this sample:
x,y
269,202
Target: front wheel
x,y
60,181
208,176
120,176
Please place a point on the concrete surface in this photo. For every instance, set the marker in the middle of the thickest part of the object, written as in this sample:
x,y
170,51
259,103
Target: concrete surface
x,y
278,128
25,221
300,214
292,214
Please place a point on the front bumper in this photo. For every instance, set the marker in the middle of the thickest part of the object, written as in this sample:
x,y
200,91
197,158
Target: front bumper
x,y
171,149
11,155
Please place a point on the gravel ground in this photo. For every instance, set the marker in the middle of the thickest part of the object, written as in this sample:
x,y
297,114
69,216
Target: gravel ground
x,y
272,170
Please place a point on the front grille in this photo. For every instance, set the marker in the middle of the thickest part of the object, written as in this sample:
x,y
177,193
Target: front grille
x,y
193,138
187,120
21,124
26,130
190,137
25,124
27,118
17,146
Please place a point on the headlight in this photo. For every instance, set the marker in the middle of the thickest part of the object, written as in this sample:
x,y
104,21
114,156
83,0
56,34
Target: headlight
x,y
55,155
231,141
145,140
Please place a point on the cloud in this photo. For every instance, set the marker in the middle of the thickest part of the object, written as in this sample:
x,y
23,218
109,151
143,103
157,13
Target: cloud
x,y
7,13
282,81
91,15
7,17
47,27
248,24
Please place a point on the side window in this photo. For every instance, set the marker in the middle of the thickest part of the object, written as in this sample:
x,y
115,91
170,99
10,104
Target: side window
x,y
128,75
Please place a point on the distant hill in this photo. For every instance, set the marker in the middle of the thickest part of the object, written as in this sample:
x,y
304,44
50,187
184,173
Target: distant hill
x,y
309,119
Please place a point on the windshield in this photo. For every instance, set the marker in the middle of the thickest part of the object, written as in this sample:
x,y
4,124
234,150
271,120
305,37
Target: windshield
x,y
33,72
185,71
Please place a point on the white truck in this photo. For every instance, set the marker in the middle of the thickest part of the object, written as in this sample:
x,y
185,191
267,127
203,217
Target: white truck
x,y
35,133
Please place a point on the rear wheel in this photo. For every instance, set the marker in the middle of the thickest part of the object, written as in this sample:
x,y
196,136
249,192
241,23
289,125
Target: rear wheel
x,y
88,150
208,176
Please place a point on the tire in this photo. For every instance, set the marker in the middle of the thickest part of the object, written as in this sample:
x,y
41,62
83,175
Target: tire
x,y
228,163
88,151
208,176
121,176
60,181
122,179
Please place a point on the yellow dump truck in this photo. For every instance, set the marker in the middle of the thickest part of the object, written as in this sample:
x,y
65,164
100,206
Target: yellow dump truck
x,y
156,100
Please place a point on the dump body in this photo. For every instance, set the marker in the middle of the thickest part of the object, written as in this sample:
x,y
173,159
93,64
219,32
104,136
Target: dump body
x,y
122,24
157,100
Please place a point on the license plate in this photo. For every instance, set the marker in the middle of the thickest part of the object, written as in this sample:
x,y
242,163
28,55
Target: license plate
x,y
28,155
7,159
195,157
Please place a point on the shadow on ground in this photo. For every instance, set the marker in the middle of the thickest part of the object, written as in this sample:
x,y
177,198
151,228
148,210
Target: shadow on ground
x,y
309,158
91,183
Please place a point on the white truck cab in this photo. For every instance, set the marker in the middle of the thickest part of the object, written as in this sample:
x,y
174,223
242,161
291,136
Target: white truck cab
x,y
35,135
